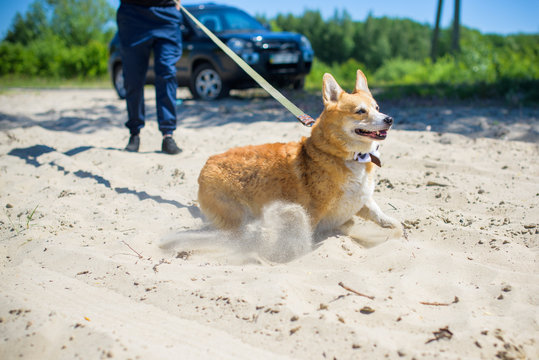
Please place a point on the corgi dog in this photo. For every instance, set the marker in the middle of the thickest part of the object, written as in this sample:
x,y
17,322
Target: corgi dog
x,y
330,174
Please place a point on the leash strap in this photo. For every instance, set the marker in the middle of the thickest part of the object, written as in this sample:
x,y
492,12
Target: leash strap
x,y
300,115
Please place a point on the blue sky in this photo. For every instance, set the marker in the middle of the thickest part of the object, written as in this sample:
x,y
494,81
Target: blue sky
x,y
488,16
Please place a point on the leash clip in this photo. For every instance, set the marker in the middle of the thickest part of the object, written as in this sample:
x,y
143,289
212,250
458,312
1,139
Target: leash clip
x,y
306,120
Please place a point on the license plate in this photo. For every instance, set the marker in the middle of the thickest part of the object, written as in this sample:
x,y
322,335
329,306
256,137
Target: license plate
x,y
284,58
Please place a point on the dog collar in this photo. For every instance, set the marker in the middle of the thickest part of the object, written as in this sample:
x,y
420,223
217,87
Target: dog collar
x,y
373,156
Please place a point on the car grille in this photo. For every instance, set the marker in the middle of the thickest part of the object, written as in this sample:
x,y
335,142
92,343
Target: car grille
x,y
274,47
277,46
282,68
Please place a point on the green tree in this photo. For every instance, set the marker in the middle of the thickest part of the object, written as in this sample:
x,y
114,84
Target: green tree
x,y
59,38
75,22
31,26
80,21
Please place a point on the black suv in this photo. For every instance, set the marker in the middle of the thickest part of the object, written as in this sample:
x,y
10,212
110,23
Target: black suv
x,y
282,58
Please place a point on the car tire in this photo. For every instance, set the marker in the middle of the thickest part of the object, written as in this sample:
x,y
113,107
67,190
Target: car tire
x,y
207,84
118,80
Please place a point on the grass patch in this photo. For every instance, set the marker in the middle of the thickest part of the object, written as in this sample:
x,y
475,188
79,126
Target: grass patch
x,y
19,228
512,92
30,216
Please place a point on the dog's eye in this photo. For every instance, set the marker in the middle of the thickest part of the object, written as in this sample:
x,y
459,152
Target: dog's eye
x,y
361,111
377,108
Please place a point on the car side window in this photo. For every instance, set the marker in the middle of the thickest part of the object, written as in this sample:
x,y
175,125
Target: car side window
x,y
212,22
236,20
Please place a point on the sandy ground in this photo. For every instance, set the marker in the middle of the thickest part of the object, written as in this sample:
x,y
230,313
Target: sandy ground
x,y
83,276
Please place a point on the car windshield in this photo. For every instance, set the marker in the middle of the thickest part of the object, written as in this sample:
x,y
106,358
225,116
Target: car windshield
x,y
228,20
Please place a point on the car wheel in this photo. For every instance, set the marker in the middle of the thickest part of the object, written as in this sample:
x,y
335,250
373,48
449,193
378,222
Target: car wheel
x,y
207,84
299,84
118,80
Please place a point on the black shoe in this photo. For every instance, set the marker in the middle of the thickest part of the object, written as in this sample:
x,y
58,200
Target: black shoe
x,y
133,144
169,146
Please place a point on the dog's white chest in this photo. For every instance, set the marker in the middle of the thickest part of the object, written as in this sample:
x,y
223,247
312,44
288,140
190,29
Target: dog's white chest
x,y
356,191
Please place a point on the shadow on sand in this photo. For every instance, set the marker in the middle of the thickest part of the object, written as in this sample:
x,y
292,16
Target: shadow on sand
x,y
31,154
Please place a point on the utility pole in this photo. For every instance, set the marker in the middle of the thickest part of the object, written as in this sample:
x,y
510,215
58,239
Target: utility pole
x,y
455,43
436,33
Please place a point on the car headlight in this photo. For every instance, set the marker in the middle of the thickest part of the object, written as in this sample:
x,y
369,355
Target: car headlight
x,y
238,45
244,49
306,49
305,43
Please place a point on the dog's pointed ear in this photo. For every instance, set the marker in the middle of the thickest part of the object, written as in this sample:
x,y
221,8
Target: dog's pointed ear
x,y
361,82
331,90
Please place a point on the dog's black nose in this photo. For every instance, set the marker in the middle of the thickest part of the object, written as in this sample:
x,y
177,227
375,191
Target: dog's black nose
x,y
388,120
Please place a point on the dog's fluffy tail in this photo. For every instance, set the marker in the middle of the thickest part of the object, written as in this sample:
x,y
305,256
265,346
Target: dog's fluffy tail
x,y
282,234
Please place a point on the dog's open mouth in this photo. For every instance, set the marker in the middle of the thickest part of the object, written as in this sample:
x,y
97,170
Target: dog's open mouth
x,y
377,135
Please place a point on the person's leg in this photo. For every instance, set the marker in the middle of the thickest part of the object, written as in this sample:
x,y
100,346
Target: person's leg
x,y
135,41
167,51
135,66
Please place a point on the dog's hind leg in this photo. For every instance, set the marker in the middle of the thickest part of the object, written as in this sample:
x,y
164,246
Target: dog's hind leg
x,y
346,227
222,211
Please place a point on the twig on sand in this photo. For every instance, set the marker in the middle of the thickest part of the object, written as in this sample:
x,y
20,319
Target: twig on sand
x,y
456,300
162,261
442,333
339,297
434,183
354,291
135,251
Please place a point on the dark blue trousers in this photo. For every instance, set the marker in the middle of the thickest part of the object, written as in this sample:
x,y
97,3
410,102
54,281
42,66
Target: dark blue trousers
x,y
142,29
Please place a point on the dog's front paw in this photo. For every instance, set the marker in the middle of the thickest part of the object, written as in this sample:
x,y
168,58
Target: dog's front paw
x,y
389,222
398,228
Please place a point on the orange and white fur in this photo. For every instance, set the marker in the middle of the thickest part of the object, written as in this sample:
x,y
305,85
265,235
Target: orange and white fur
x,y
319,172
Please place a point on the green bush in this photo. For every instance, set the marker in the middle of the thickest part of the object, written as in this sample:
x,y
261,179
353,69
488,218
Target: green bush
x,y
51,57
10,57
507,75
398,71
58,39
344,73
84,61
